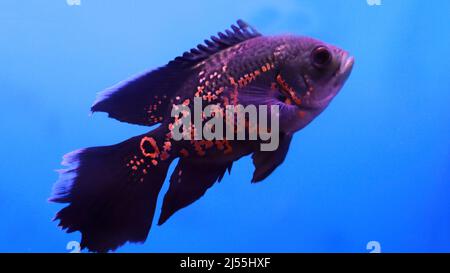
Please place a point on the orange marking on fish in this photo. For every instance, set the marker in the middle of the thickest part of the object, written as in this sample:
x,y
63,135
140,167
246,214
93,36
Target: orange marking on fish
x,y
152,142
226,101
184,152
235,95
242,82
288,90
164,155
273,86
199,90
167,145
198,148
219,144
209,97
220,90
208,144
228,148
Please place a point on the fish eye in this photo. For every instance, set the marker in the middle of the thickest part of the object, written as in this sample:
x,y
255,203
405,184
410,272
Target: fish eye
x,y
321,57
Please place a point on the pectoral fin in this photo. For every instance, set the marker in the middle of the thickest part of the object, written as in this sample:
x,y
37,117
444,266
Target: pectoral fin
x,y
266,162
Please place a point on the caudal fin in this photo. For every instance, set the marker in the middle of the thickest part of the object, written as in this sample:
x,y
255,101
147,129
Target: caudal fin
x,y
111,191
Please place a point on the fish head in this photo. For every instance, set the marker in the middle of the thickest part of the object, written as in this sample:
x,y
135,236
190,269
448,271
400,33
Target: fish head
x,y
310,75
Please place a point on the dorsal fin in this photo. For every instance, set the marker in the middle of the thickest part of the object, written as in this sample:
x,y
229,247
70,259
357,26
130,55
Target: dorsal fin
x,y
145,99
236,35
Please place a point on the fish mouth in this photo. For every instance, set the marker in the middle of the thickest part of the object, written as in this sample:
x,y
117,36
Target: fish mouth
x,y
346,67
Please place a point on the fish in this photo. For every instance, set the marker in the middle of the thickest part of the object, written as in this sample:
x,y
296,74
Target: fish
x,y
111,191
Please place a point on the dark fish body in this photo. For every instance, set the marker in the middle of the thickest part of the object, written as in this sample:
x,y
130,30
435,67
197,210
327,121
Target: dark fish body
x,y
112,190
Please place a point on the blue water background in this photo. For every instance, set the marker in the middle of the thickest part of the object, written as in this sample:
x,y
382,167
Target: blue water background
x,y
375,166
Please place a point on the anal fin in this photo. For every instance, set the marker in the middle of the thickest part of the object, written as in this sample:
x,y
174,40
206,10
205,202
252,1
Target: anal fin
x,y
189,181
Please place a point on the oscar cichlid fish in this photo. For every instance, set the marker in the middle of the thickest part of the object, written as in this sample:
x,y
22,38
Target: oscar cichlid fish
x,y
112,191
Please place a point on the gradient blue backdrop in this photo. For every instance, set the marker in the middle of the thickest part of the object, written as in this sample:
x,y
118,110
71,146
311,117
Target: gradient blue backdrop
x,y
373,166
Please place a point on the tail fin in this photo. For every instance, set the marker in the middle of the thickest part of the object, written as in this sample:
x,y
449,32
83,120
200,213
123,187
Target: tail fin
x,y
111,191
